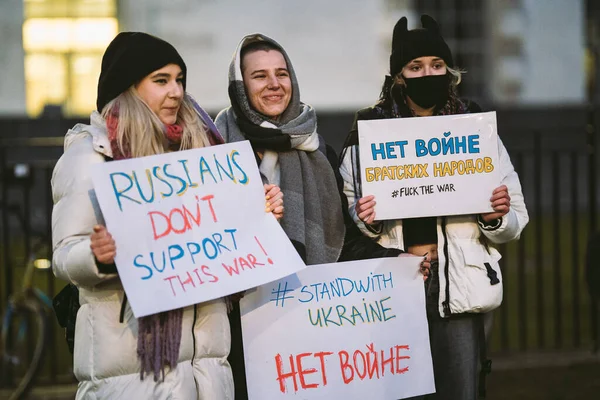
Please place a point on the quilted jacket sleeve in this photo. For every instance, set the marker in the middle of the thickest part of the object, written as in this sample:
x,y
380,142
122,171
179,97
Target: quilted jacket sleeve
x,y
514,222
75,214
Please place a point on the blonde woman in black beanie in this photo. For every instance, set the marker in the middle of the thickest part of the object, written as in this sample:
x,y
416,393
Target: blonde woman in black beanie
x,y
423,81
143,109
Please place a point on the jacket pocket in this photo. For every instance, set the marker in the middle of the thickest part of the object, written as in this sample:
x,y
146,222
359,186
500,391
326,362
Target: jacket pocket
x,y
483,278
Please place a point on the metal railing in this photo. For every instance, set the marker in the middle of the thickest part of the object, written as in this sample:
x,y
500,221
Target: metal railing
x,y
546,303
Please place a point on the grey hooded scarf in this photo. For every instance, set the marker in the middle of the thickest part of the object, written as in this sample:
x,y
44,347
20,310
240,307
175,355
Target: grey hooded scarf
x,y
293,158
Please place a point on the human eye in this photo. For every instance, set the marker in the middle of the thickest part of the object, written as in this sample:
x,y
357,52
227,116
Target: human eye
x,y
161,81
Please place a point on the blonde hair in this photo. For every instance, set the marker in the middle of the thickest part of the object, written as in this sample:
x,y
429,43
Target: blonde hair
x,y
455,76
142,132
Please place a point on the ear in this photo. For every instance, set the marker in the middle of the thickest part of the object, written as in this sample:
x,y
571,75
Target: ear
x,y
430,24
399,31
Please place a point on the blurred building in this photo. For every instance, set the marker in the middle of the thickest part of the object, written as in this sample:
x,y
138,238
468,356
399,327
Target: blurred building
x,y
515,51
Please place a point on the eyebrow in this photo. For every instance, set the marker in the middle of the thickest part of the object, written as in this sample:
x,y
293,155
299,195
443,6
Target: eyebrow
x,y
264,71
421,62
166,75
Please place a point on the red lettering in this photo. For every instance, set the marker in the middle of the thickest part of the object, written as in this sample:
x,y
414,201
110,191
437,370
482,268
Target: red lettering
x,y
198,275
186,224
281,377
399,357
372,364
344,365
206,271
187,281
166,232
302,372
188,214
389,361
364,364
253,260
169,279
321,357
208,199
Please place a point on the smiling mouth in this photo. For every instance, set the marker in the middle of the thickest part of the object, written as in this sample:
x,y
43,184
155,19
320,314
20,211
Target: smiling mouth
x,y
273,98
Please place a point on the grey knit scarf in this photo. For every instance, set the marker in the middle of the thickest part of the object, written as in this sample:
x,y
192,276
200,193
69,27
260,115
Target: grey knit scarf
x,y
293,158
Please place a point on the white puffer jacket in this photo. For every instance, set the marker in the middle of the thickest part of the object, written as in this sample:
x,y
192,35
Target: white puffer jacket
x,y
464,260
105,358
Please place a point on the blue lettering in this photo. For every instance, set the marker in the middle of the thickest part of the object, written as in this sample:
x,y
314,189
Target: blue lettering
x,y
377,151
173,257
139,265
474,144
420,148
181,181
120,193
204,168
187,173
244,180
389,149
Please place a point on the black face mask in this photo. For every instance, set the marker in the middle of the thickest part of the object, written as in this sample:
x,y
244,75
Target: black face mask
x,y
427,91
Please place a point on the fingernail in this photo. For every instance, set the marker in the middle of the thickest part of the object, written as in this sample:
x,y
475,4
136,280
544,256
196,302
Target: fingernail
x,y
425,255
267,210
267,197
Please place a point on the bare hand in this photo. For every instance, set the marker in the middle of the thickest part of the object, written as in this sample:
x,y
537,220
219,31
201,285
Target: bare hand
x,y
274,200
500,203
365,209
103,245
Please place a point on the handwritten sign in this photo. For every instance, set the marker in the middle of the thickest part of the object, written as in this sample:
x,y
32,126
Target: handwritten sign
x,y
430,166
191,226
353,330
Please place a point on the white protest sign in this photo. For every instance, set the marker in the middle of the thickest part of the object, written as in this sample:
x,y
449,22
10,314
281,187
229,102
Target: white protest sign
x,y
191,226
429,166
353,330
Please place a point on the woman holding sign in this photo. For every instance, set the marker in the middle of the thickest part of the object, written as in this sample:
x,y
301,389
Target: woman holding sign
x,y
266,110
465,279
143,110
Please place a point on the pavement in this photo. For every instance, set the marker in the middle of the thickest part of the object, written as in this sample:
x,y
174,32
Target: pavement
x,y
537,376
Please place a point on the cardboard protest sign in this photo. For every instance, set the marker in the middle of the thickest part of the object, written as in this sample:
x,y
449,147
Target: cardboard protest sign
x,y
191,226
353,330
429,166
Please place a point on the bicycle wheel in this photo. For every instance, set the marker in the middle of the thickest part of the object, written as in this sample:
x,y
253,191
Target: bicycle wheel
x,y
24,337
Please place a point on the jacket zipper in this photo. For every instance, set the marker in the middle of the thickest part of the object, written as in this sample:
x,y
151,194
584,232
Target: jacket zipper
x,y
194,345
446,302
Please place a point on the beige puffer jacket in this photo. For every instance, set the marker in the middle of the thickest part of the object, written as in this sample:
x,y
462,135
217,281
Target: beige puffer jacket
x,y
105,356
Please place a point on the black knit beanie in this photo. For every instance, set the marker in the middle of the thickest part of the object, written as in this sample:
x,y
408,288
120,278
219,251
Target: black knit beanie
x,y
421,42
129,58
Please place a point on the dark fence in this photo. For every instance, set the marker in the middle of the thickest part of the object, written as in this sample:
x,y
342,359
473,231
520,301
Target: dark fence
x,y
546,303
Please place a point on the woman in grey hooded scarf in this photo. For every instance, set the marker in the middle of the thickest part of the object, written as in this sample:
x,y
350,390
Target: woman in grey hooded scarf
x,y
266,110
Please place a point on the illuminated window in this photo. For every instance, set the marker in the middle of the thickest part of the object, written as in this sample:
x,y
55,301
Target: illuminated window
x,y
64,41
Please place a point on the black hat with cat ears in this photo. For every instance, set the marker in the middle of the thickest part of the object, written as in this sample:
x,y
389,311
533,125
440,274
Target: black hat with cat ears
x,y
421,42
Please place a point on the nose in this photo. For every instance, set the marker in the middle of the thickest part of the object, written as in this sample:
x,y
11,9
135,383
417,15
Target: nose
x,y
272,82
428,70
176,90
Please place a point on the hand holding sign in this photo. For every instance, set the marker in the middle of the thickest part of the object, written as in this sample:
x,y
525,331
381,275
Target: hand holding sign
x,y
365,209
103,245
274,199
501,204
